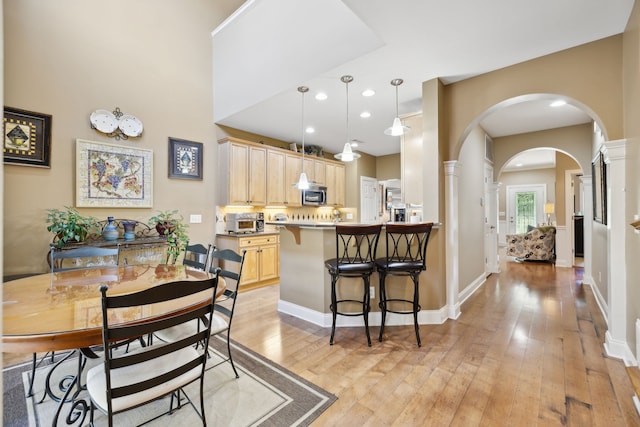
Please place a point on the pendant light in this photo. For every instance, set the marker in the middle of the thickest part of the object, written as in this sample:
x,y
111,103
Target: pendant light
x,y
397,128
303,182
347,154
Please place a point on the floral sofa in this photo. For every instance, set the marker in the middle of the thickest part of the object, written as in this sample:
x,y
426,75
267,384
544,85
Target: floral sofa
x,y
538,244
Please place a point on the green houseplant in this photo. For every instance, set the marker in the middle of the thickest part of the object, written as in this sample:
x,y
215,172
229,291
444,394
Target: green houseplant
x,y
69,225
171,224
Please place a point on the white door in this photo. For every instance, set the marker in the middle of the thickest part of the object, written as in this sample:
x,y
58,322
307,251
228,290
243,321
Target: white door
x,y
490,201
525,206
369,200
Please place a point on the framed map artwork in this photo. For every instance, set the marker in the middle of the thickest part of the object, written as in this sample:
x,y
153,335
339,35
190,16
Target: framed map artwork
x,y
113,176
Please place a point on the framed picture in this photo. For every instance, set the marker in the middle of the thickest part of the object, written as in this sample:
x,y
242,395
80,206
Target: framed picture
x,y
185,159
113,176
27,138
599,176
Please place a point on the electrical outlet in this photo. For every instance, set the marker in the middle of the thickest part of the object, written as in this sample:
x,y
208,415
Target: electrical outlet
x,y
372,291
349,215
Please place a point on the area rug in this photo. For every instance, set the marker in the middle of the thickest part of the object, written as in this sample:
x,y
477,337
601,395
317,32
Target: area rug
x,y
266,394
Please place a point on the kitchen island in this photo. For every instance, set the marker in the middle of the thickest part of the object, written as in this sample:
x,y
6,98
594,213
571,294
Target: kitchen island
x,y
305,284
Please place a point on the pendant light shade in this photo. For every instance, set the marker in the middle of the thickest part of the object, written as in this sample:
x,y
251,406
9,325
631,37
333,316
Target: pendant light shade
x,y
347,154
397,128
303,182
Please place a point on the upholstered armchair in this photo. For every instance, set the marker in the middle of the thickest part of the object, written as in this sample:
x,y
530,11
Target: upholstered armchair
x,y
539,244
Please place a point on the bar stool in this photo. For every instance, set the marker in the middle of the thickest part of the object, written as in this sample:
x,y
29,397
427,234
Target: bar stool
x,y
355,257
406,256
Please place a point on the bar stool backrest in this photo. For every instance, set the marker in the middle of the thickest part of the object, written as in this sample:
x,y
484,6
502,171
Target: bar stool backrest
x,y
407,244
357,244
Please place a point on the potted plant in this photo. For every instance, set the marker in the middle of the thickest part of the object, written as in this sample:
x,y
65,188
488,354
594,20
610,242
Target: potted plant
x,y
69,225
172,225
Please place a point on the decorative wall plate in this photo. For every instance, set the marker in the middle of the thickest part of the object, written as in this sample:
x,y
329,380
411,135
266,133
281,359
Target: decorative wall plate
x,y
130,125
103,120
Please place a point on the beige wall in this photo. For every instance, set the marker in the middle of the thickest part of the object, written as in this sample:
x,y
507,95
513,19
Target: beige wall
x,y
527,177
388,167
631,104
589,74
563,163
67,58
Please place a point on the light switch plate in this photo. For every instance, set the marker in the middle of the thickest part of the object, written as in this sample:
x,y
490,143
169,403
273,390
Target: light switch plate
x,y
195,219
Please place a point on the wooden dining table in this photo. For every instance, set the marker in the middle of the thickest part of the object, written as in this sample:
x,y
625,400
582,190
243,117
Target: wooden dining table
x,y
62,311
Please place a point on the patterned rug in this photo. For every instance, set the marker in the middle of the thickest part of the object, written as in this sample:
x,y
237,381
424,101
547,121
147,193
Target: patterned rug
x,y
265,394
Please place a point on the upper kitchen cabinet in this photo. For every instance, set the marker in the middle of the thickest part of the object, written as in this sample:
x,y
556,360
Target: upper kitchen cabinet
x,y
283,171
242,172
335,183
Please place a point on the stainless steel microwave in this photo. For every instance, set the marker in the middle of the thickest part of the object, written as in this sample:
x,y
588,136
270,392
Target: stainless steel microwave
x,y
242,222
316,195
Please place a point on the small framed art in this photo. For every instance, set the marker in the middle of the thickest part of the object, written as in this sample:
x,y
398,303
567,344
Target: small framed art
x,y
27,138
185,159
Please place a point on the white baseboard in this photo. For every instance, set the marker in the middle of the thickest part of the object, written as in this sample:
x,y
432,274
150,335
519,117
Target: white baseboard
x,y
472,288
425,317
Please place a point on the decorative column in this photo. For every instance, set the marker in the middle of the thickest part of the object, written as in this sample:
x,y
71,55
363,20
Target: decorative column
x,y
614,153
587,195
451,172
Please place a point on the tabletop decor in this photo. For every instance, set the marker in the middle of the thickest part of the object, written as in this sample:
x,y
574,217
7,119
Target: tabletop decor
x,y
69,225
172,225
185,159
27,138
113,176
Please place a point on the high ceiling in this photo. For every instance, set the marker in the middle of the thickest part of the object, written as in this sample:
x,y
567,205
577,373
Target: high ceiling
x,y
268,48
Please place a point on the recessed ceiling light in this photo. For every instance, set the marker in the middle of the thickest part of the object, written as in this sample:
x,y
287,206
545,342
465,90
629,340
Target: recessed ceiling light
x,y
365,114
309,130
558,103
321,96
368,92
519,165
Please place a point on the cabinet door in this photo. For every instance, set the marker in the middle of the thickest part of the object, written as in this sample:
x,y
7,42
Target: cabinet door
x,y
275,178
330,182
239,174
251,267
319,172
269,262
257,186
293,167
309,169
340,185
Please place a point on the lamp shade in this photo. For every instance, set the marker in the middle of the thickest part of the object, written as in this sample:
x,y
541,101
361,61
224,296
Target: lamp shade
x,y
303,182
549,208
397,128
347,154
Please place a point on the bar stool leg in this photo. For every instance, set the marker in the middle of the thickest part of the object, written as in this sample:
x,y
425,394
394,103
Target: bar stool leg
x,y
334,307
383,303
366,301
416,305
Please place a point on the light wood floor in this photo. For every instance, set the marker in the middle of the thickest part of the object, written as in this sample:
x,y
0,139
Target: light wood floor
x,y
527,350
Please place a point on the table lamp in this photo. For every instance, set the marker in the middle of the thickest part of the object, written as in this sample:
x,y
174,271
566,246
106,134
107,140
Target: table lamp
x,y
548,209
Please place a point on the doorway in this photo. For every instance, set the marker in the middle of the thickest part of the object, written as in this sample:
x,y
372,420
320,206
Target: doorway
x,y
369,200
525,206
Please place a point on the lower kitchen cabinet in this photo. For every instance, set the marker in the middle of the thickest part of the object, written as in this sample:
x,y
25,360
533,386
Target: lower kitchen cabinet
x,y
262,260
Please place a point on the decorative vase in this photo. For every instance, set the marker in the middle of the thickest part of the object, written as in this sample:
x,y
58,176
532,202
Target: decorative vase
x,y
110,231
129,229
165,228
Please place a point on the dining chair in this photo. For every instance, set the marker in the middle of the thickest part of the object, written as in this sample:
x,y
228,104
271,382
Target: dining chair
x,y
128,380
228,265
103,257
355,257
197,256
406,253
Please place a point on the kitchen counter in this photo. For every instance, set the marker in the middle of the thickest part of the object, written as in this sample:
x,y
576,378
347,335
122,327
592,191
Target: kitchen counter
x,y
258,233
309,224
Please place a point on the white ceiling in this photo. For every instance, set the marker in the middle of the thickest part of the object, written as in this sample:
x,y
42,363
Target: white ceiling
x,y
268,48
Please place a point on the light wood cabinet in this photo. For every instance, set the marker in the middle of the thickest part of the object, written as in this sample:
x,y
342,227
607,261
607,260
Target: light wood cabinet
x,y
243,168
262,260
335,182
254,174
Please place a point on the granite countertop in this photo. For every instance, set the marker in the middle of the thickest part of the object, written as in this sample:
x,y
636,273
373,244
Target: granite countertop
x,y
258,233
309,224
